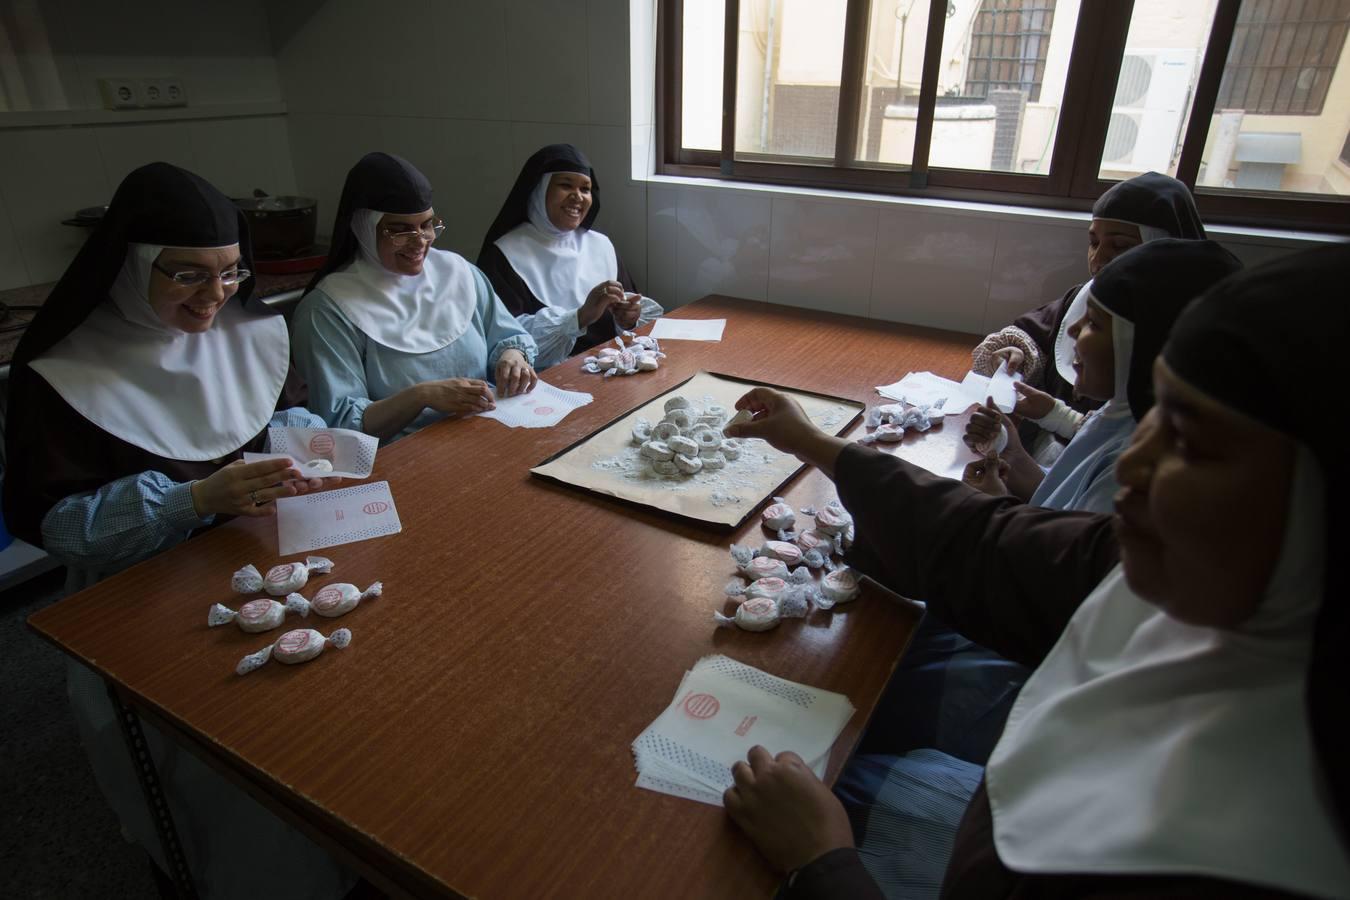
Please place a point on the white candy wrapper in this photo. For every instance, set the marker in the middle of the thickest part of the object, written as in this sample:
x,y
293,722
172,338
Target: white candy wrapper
x,y
333,600
839,586
297,646
322,452
254,616
285,578
247,580
786,551
779,516
833,519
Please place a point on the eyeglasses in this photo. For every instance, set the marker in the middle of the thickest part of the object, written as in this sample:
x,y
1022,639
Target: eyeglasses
x,y
197,278
405,237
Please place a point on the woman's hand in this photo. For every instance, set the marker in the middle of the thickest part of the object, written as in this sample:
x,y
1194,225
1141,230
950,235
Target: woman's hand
x,y
788,812
782,422
1032,403
514,375
982,431
599,300
1014,357
457,395
248,489
627,311
987,476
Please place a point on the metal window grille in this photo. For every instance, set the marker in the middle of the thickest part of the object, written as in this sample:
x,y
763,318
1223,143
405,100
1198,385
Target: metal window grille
x,y
1283,55
1009,40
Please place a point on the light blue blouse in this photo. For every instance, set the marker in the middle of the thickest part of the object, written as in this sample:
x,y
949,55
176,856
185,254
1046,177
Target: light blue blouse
x,y
347,371
1083,478
131,519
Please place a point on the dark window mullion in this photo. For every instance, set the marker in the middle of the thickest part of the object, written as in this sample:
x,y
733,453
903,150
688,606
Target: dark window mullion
x,y
1207,90
852,69
730,47
932,61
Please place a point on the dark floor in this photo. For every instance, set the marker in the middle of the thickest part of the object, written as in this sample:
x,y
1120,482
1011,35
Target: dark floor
x,y
58,838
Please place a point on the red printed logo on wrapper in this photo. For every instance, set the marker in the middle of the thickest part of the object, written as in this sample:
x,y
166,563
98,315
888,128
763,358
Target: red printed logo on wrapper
x,y
279,574
701,706
375,507
293,641
254,610
746,724
543,410
321,444
328,598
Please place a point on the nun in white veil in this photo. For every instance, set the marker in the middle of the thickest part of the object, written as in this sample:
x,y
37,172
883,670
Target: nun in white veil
x,y
555,272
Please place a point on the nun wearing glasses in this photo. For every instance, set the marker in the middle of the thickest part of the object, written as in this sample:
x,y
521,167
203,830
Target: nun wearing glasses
x,y
148,371
394,334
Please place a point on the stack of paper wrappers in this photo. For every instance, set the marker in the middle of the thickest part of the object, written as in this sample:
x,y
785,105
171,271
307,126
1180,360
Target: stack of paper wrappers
x,y
722,709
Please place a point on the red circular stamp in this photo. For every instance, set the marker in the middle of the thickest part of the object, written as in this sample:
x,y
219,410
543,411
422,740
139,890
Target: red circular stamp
x,y
543,410
321,444
701,706
293,641
328,598
760,606
254,609
278,574
375,507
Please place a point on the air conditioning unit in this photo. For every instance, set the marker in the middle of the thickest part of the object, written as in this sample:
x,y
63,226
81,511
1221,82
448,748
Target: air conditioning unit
x,y
1152,94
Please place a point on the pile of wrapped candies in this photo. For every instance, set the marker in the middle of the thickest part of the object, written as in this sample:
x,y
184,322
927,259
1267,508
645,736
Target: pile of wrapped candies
x,y
263,614
640,353
687,441
890,421
780,581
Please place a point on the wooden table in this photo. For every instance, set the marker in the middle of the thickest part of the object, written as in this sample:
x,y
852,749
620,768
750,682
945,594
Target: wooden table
x,y
474,739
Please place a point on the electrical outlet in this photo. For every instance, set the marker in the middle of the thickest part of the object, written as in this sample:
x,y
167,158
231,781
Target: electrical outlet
x,y
120,93
163,92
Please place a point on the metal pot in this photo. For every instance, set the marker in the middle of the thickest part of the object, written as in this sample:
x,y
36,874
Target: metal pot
x,y
281,227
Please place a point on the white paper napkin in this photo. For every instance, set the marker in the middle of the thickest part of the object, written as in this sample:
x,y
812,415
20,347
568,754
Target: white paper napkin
x,y
351,453
343,516
688,329
542,407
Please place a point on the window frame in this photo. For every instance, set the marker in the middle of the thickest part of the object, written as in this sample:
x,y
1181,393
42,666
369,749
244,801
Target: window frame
x,y
1072,183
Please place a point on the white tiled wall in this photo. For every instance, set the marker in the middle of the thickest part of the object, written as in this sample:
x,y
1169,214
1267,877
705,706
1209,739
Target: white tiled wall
x,y
222,53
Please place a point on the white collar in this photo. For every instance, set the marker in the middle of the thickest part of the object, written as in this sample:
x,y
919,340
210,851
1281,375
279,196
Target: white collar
x,y
1142,745
410,313
560,269
191,397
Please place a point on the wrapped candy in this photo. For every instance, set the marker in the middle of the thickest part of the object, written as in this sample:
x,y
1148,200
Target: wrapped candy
x,y
833,519
839,586
333,600
282,579
757,567
779,515
759,614
297,646
788,552
256,615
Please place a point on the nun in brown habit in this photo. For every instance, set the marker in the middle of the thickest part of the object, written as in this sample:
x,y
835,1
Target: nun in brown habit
x,y
146,374
1183,733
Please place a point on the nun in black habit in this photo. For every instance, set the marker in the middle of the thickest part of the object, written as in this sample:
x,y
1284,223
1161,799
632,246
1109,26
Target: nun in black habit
x,y
146,374
1138,210
1184,732
560,277
395,334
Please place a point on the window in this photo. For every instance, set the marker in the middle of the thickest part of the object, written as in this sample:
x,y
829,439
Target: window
x,y
1035,102
1008,45
1282,57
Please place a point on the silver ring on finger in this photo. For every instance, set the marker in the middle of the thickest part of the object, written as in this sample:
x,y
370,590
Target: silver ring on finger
x,y
253,495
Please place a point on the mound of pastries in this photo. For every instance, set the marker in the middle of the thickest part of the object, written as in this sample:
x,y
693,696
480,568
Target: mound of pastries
x,y
688,440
